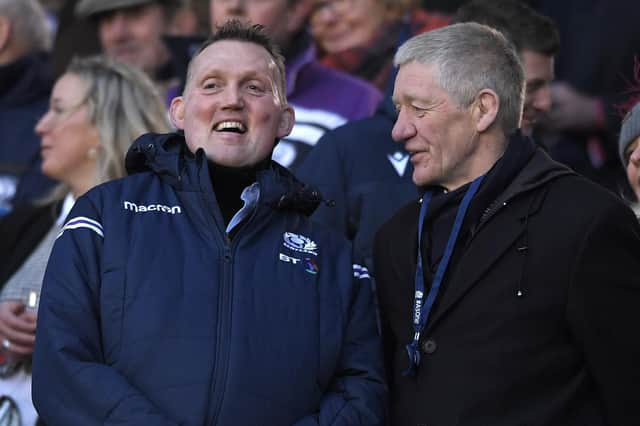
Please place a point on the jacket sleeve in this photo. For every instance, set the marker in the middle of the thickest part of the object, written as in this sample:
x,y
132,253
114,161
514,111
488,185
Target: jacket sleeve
x,y
603,310
357,393
72,384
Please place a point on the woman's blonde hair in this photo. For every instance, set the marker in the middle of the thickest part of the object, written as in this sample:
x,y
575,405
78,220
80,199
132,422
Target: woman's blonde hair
x,y
122,104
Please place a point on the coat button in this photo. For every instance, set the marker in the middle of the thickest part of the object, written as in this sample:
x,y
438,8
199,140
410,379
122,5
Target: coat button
x,y
429,346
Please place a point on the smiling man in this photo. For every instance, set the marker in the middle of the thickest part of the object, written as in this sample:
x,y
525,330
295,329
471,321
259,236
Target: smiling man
x,y
196,291
358,164
505,292
308,83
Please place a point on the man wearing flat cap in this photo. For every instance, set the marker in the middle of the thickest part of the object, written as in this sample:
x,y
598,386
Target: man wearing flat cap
x,y
133,31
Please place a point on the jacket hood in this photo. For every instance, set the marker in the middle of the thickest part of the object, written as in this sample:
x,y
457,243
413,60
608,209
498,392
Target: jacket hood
x,y
167,156
536,172
158,153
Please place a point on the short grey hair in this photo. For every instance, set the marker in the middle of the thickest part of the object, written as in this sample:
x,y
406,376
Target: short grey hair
x,y
123,104
29,23
468,58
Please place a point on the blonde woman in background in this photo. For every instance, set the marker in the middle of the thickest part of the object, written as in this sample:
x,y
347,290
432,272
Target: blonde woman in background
x,y
97,108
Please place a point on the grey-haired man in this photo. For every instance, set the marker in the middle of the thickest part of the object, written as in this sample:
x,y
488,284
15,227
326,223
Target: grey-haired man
x,y
507,292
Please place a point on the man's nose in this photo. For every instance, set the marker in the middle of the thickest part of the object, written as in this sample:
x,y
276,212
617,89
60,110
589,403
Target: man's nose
x,y
232,98
403,129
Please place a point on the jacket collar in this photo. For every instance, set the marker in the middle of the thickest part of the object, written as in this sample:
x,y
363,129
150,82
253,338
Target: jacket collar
x,y
167,156
514,213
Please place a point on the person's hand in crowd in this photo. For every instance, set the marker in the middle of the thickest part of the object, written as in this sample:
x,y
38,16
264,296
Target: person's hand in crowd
x,y
17,329
572,110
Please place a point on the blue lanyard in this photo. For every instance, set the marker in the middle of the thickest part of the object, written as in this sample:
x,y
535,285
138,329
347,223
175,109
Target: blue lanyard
x,y
421,307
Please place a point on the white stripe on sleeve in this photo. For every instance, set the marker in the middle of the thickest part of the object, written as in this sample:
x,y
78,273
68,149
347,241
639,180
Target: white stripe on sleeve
x,y
360,271
82,222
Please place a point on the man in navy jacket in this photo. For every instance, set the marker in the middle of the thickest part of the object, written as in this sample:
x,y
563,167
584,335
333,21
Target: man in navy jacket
x,y
195,291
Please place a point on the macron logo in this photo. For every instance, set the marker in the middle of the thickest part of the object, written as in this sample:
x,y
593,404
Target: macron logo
x,y
128,205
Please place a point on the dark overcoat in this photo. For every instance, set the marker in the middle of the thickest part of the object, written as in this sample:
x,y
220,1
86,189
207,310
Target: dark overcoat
x,y
537,320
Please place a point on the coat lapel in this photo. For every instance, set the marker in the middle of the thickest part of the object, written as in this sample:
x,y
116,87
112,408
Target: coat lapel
x,y
486,248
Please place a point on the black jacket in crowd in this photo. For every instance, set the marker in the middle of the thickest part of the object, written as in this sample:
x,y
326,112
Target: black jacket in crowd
x,y
536,321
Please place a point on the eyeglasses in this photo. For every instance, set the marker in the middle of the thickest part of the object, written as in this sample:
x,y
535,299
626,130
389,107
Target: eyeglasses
x,y
58,115
336,6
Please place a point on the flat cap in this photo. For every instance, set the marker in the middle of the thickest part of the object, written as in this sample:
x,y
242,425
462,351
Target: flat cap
x,y
87,8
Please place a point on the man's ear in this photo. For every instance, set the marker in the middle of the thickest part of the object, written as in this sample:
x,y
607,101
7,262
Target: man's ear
x,y
485,109
5,32
286,122
176,112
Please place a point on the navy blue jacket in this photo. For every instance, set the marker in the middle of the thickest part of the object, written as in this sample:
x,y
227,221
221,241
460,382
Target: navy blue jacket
x,y
151,315
366,173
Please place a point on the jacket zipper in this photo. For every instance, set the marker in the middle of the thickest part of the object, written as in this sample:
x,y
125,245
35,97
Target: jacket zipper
x,y
491,211
221,360
216,383
220,368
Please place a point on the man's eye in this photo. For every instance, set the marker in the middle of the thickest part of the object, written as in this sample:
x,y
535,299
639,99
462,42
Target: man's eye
x,y
210,85
418,111
255,89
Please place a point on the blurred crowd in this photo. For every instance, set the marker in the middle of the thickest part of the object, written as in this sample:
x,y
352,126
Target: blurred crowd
x,y
80,80
338,56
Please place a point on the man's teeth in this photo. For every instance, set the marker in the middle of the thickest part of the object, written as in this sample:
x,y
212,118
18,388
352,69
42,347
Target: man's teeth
x,y
230,125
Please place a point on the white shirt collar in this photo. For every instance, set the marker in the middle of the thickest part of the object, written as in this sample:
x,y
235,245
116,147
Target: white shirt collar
x,y
67,204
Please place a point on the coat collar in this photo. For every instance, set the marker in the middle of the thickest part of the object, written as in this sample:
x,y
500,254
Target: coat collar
x,y
501,228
